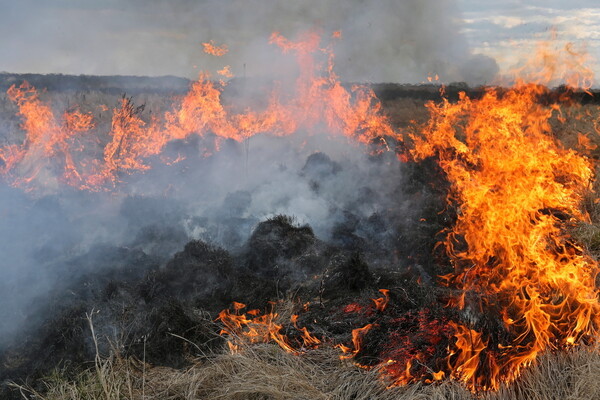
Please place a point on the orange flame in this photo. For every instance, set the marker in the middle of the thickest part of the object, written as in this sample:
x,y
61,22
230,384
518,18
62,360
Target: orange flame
x,y
382,302
357,341
251,327
46,139
517,189
319,101
226,72
554,63
214,50
131,140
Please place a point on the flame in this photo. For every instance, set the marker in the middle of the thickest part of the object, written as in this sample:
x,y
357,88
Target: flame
x,y
585,142
46,138
214,50
554,63
357,342
517,190
226,72
252,327
307,338
382,302
131,141
318,103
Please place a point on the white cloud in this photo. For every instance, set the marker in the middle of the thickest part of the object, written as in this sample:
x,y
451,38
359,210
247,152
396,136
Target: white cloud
x,y
504,21
510,31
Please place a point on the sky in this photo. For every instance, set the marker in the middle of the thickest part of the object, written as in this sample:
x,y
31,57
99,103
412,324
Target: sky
x,y
386,40
508,30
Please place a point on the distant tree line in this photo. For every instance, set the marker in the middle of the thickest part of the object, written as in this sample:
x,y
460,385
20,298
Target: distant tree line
x,y
173,85
114,84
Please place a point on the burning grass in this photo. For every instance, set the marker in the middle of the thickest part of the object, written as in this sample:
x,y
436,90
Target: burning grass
x,y
267,372
505,301
278,251
54,144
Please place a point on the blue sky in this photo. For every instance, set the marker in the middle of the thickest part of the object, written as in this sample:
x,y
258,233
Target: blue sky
x,y
384,40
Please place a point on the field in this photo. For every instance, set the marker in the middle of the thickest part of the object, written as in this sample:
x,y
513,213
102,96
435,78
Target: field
x,y
137,319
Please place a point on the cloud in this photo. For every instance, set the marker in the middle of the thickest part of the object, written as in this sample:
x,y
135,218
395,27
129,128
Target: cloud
x,y
510,31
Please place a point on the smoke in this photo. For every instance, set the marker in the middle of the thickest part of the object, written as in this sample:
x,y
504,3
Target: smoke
x,y
383,41
49,242
55,236
347,195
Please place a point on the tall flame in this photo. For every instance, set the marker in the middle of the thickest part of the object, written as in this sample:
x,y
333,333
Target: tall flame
x,y
517,190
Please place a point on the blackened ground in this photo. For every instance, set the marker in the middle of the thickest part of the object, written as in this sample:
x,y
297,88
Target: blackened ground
x,y
165,312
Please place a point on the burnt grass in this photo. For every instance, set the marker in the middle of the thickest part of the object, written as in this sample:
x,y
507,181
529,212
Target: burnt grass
x,y
164,311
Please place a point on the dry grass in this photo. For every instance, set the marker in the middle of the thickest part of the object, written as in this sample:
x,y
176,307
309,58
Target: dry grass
x,y
406,112
567,376
265,372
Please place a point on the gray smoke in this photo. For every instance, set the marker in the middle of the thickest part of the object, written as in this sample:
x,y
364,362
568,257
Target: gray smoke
x,y
48,241
383,41
49,237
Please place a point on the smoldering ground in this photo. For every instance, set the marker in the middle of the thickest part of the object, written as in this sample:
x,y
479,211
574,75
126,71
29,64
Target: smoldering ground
x,y
49,241
218,198
121,254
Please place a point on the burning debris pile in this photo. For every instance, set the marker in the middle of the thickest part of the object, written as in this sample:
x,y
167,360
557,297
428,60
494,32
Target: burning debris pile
x,y
440,252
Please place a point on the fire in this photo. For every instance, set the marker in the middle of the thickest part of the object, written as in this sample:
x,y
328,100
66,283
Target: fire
x,y
517,191
382,302
553,64
317,103
215,50
131,141
47,138
322,98
226,72
252,327
358,335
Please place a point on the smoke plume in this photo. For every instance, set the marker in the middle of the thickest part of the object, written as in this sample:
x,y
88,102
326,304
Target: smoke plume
x,y
383,41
